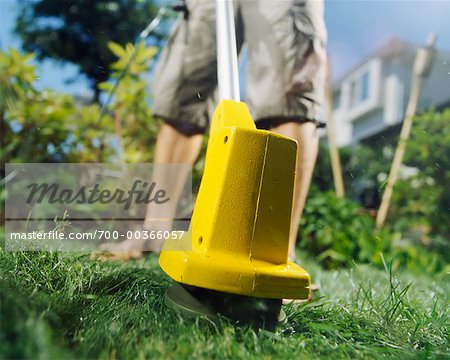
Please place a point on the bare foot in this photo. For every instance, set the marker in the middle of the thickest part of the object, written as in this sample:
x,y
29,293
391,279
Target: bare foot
x,y
117,255
130,249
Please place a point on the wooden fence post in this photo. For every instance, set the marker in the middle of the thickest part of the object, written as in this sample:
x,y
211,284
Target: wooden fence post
x,y
334,152
421,66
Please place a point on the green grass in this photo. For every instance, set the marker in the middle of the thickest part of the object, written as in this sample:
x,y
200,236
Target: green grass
x,y
66,306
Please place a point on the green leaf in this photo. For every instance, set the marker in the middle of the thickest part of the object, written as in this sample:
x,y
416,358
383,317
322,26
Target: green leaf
x,y
116,49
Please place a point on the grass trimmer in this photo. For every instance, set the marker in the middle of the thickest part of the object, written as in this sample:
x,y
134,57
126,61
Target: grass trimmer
x,y
238,265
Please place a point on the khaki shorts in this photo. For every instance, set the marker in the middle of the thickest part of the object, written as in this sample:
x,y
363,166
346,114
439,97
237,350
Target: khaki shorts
x,y
286,66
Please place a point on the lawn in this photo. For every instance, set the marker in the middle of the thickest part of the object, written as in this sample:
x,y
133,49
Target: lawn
x,y
67,306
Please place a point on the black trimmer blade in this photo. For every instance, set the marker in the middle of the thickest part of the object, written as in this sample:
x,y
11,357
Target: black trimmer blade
x,y
194,301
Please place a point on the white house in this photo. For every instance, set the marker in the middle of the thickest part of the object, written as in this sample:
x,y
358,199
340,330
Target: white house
x,y
372,97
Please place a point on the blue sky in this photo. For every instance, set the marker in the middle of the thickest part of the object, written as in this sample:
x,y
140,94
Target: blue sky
x,y
355,29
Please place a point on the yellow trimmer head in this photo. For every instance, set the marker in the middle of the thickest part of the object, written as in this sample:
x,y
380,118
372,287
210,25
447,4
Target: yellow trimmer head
x,y
241,221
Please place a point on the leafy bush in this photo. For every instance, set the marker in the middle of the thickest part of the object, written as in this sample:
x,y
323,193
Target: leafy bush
x,y
423,200
339,231
336,230
45,126
417,230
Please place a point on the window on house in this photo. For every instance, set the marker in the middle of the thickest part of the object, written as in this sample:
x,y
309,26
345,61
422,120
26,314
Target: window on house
x,y
364,93
359,89
353,93
336,99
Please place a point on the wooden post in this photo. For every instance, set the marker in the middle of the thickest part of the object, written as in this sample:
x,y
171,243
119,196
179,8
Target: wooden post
x,y
334,152
421,66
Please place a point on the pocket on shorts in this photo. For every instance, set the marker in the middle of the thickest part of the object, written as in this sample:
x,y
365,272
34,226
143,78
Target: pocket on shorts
x,y
308,19
302,21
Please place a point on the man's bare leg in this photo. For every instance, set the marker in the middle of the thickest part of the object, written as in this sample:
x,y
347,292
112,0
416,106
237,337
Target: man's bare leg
x,y
172,146
308,144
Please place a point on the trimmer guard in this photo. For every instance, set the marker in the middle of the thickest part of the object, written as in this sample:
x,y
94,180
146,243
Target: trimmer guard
x,y
241,221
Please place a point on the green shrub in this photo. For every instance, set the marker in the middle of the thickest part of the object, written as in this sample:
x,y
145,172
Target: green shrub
x,y
333,229
423,199
339,231
45,126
